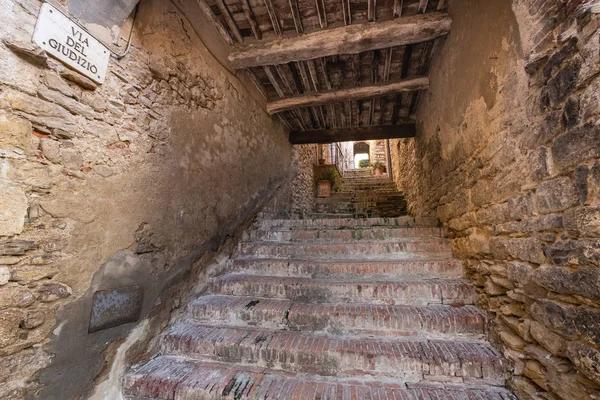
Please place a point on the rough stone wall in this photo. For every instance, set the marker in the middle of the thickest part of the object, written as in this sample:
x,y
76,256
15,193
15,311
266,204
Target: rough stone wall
x,y
507,156
126,184
303,190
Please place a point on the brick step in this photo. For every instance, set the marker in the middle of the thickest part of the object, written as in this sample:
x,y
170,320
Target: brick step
x,y
170,378
329,216
405,292
344,235
409,359
404,221
397,249
442,268
430,321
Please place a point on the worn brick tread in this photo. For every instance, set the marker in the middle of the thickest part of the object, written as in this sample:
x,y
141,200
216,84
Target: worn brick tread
x,y
441,268
434,321
424,222
396,249
408,359
167,378
344,235
404,292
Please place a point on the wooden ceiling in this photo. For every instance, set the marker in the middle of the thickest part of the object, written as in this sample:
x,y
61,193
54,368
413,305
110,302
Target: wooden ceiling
x,y
334,66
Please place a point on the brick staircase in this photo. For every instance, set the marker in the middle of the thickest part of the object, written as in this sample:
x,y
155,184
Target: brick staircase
x,y
363,195
315,309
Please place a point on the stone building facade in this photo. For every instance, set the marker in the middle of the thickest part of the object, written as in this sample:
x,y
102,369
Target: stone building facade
x,y
507,156
130,184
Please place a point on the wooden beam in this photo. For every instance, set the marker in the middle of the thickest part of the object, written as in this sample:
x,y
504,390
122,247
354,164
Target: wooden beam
x,y
423,6
357,93
353,134
347,12
273,81
296,16
398,8
251,19
349,39
229,19
372,10
213,18
322,13
274,20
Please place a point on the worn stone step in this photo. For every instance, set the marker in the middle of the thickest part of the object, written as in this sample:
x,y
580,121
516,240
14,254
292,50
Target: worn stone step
x,y
404,221
409,359
398,249
440,268
172,378
404,292
435,321
344,235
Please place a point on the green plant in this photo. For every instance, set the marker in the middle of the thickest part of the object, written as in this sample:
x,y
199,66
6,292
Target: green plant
x,y
380,165
331,174
363,164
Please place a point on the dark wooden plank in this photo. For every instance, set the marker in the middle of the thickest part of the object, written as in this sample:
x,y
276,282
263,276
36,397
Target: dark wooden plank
x,y
353,134
398,8
349,39
322,13
347,12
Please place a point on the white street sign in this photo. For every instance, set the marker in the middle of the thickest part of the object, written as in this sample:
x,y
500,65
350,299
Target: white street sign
x,y
63,39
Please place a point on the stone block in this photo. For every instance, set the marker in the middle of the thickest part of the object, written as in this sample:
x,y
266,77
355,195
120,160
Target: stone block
x,y
520,206
537,164
9,327
49,292
15,296
583,221
564,82
571,322
16,247
556,195
51,150
575,146
583,281
586,358
551,341
33,319
520,272
14,132
575,252
476,244
13,210
31,273
4,275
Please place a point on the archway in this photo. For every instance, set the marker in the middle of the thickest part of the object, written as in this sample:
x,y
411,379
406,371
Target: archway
x,y
361,152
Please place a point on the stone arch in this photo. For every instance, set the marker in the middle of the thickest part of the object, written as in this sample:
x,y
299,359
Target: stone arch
x,y
361,148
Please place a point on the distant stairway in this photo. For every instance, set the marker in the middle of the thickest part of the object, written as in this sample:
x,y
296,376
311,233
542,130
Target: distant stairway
x,y
363,195
324,309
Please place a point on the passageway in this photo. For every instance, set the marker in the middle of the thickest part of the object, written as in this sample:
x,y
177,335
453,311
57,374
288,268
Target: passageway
x,y
282,199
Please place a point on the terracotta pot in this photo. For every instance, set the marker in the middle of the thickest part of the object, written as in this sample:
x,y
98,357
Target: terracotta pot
x,y
321,161
378,171
324,189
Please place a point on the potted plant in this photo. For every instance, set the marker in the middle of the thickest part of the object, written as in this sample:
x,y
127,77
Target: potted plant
x,y
378,168
363,163
328,178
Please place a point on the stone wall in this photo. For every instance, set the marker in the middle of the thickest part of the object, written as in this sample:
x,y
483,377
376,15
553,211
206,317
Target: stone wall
x,y
507,156
304,192
124,185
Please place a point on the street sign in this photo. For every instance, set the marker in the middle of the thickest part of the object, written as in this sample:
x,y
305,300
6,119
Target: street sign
x,y
67,41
